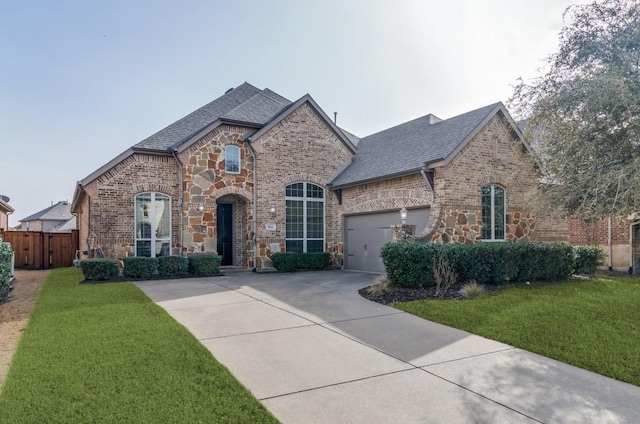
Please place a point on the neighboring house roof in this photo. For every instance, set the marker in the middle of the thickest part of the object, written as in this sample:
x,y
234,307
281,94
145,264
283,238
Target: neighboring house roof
x,y
61,211
4,204
66,226
408,147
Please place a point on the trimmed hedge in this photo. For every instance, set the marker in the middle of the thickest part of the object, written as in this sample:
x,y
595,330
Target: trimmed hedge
x,y
140,267
204,264
99,269
292,261
587,259
173,266
411,264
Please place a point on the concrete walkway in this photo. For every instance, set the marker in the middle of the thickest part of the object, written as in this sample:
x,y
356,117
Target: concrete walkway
x,y
312,350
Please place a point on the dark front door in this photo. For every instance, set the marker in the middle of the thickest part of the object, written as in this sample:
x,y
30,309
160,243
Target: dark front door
x,y
224,217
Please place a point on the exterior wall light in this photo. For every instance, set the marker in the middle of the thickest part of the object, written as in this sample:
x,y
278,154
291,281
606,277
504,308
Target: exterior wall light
x,y
272,211
403,215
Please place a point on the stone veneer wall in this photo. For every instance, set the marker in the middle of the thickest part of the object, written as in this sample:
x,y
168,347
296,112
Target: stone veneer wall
x,y
205,183
111,203
493,156
300,148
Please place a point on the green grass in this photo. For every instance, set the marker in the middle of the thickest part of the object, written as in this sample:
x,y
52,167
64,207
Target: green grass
x,y
593,324
106,353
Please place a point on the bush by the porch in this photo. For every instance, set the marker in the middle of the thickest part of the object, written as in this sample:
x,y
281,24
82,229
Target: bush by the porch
x,y
173,266
291,261
99,269
204,264
140,267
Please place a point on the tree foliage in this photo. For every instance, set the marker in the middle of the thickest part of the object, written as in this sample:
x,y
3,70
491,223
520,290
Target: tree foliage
x,y
583,112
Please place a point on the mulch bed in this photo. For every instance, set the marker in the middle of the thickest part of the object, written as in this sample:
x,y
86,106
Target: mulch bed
x,y
401,294
123,279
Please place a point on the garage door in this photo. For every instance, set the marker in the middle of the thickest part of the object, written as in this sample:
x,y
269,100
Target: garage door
x,y
365,235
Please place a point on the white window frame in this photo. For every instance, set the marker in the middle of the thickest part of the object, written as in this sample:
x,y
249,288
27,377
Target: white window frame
x,y
152,212
227,149
493,214
305,199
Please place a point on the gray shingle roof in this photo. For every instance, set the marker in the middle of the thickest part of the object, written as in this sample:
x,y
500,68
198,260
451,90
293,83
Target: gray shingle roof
x,y
406,147
61,211
244,103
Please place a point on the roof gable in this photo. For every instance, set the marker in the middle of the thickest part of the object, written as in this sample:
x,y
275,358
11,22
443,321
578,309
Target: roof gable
x,y
61,211
406,148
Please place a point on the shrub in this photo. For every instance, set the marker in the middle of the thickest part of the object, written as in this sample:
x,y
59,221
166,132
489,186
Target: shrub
x,y
412,264
587,259
140,267
204,264
285,261
381,286
291,261
99,269
444,275
471,290
173,266
5,267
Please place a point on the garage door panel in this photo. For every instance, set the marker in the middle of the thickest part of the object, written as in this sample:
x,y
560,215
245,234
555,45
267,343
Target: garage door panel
x,y
366,234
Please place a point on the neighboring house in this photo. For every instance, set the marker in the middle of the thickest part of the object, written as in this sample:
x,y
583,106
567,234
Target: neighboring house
x,y
5,211
252,173
55,218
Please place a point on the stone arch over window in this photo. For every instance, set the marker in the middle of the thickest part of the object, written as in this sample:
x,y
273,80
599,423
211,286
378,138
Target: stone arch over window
x,y
494,205
304,217
152,224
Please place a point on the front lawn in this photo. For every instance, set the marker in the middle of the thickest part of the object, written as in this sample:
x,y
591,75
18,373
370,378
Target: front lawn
x,y
593,324
106,353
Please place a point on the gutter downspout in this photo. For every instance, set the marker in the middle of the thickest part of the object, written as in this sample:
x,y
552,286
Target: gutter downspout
x,y
610,245
180,197
426,180
254,236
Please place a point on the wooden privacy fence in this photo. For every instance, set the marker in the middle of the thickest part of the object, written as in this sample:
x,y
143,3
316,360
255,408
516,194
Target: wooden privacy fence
x,y
38,250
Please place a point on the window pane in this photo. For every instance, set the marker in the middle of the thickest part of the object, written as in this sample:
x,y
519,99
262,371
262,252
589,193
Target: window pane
x,y
143,248
314,246
163,248
294,219
315,219
315,191
295,190
294,246
163,217
498,213
232,159
486,212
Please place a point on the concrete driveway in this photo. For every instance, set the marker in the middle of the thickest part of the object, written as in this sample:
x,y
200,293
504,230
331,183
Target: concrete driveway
x,y
312,350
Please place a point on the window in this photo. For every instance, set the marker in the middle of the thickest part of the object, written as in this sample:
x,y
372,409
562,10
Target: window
x,y
493,213
153,224
304,218
232,159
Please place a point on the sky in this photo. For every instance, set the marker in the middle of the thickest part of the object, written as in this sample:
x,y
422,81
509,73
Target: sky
x,y
82,81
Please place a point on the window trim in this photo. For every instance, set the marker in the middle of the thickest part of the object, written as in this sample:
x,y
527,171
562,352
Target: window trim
x,y
226,155
493,214
305,199
152,212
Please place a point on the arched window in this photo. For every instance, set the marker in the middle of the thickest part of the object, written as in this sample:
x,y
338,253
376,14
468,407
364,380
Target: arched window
x,y
153,224
304,218
232,159
493,213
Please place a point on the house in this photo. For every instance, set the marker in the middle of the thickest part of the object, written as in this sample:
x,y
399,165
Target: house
x,y
253,173
55,218
5,211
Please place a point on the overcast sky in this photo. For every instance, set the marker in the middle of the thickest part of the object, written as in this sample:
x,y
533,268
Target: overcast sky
x,y
82,81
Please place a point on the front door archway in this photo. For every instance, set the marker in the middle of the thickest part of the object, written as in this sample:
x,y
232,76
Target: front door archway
x,y
224,226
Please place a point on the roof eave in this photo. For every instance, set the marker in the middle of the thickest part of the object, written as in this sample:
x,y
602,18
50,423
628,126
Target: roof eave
x,y
374,179
190,140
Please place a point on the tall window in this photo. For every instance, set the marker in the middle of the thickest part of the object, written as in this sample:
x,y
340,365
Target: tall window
x,y
304,218
232,159
153,224
493,213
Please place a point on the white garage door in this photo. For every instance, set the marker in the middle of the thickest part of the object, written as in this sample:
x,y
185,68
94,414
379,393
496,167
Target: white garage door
x,y
365,235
